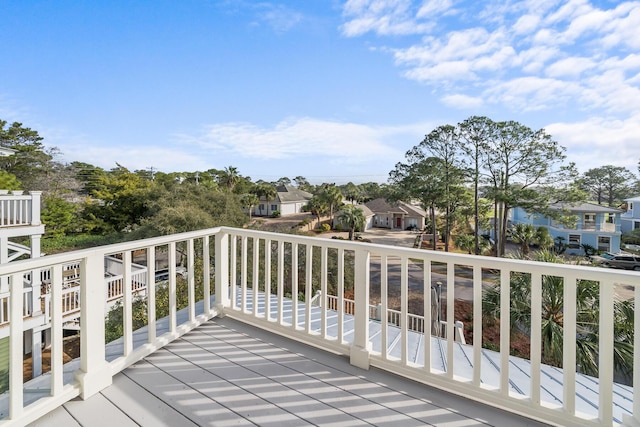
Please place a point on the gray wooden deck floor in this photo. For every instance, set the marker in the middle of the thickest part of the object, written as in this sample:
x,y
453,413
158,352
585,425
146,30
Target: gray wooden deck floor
x,y
227,373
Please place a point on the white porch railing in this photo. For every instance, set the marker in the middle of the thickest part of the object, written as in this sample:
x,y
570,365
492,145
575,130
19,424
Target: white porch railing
x,y
255,275
20,210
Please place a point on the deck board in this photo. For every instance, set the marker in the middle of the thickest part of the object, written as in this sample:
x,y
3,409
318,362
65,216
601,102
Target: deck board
x,y
229,373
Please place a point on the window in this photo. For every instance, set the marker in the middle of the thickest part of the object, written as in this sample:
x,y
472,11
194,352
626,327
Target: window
x,y
274,207
636,225
604,243
261,206
574,241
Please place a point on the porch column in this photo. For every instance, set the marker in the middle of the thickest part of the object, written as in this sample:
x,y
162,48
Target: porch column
x,y
359,354
36,352
35,278
95,373
35,207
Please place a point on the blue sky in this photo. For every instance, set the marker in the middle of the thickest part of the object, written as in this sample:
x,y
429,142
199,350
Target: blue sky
x,y
335,91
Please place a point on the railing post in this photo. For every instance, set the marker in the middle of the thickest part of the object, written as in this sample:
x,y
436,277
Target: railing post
x,y
95,373
35,207
222,272
359,354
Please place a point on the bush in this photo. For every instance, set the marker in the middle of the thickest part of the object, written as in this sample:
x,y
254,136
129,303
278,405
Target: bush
x,y
275,214
325,227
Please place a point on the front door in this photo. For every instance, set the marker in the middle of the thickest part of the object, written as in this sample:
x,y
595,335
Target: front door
x,y
398,222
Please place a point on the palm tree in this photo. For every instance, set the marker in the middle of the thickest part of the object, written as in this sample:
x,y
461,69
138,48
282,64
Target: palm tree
x,y
353,218
268,191
229,177
250,200
587,314
466,242
332,197
317,207
524,234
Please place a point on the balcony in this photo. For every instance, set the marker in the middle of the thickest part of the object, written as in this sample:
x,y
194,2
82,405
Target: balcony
x,y
213,365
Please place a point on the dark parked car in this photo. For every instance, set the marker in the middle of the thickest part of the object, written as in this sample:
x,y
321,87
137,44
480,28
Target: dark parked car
x,y
622,260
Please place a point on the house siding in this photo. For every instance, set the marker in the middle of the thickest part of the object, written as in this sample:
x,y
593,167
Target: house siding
x,y
590,234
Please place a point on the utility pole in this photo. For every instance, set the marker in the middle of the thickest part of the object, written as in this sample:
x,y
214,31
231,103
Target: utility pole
x,y
152,171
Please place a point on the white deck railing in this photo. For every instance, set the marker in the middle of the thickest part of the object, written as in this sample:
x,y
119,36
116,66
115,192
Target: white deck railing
x,y
20,210
249,264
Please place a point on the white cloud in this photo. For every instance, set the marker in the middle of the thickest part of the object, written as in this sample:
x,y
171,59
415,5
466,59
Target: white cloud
x,y
462,101
391,17
569,67
600,141
299,137
525,55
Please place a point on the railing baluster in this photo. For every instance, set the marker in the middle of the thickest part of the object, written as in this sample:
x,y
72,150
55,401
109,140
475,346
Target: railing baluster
x,y
451,333
569,344
536,336
404,307
323,290
243,274
308,288
426,284
477,325
267,279
56,331
234,270
280,282
127,303
505,329
256,274
172,288
384,305
636,353
341,296
222,255
605,369
16,343
294,285
151,294
191,280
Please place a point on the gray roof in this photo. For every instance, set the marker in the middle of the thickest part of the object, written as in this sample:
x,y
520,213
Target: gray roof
x,y
381,206
584,207
291,194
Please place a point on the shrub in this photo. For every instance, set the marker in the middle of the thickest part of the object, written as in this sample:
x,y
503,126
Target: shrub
x,y
275,214
325,227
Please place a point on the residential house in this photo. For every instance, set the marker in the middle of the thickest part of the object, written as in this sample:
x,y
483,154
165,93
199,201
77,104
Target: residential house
x,y
368,215
630,220
396,216
289,200
595,225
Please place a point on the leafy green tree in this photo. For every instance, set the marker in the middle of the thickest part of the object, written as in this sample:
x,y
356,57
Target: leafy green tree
x,y
475,132
553,305
466,242
608,183
8,181
302,183
351,192
121,200
353,218
30,161
422,179
59,216
518,160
